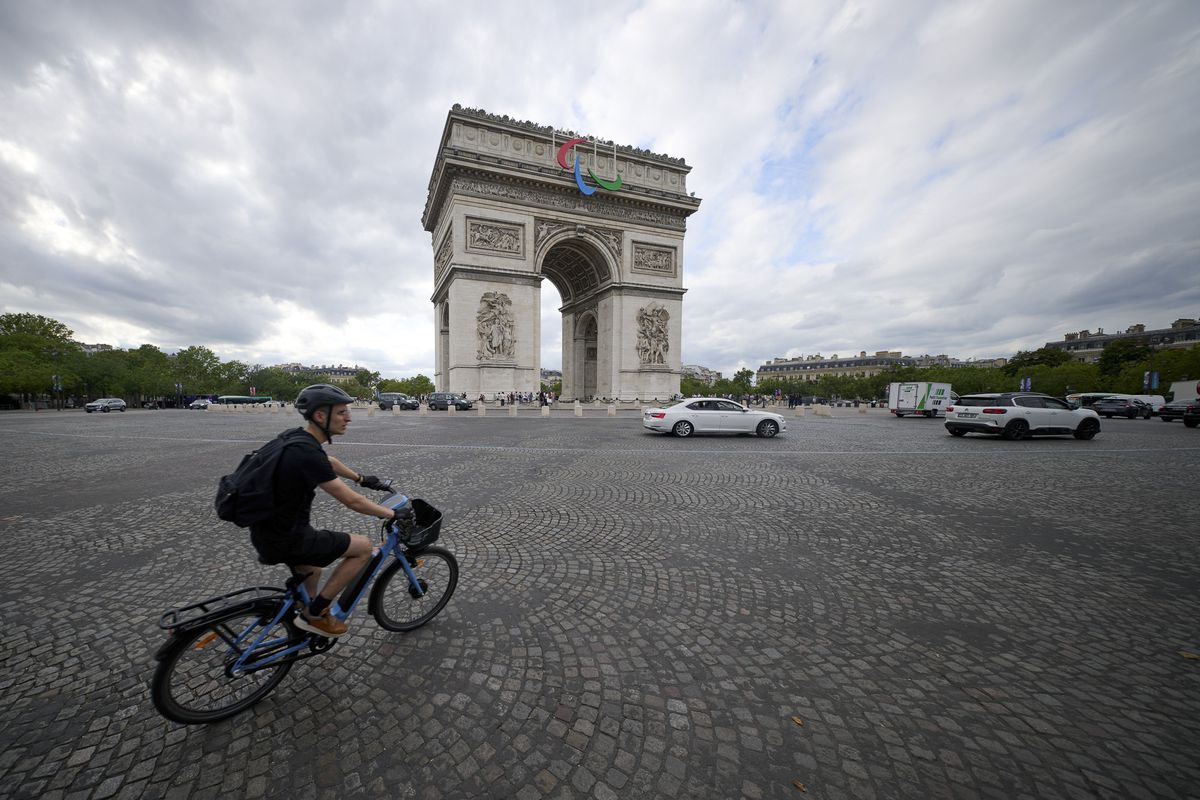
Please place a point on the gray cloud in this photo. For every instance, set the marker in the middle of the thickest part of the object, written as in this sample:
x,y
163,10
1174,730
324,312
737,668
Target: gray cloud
x,y
928,177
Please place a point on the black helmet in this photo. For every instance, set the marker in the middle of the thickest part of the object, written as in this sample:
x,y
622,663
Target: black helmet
x,y
318,396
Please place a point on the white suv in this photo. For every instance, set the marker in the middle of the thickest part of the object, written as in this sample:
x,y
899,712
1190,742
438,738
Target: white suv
x,y
1017,415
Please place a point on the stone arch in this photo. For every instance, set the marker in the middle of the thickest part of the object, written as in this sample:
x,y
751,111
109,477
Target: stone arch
x,y
584,359
504,216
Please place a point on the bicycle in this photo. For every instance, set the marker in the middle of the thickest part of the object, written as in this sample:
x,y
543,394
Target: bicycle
x,y
225,653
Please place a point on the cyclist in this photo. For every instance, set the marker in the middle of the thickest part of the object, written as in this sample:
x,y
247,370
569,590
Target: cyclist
x,y
289,537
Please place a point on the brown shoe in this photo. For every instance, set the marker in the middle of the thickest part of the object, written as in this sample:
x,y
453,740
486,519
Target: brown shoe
x,y
324,625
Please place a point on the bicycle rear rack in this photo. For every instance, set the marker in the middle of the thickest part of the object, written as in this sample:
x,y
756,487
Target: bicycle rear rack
x,y
190,615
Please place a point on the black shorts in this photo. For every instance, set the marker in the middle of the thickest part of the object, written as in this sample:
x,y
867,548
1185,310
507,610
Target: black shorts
x,y
305,546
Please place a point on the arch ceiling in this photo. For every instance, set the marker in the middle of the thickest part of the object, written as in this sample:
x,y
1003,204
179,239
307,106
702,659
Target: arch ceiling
x,y
575,269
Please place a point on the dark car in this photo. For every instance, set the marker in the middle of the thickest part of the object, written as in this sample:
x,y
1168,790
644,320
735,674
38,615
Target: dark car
x,y
402,401
1191,413
441,401
1176,409
1109,407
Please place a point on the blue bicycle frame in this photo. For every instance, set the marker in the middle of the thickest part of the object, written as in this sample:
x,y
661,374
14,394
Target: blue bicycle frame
x,y
340,609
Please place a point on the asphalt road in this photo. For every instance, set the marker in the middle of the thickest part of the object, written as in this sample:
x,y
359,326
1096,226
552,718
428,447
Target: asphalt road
x,y
863,606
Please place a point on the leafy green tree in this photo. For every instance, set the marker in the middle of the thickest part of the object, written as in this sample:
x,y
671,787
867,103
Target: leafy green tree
x,y
416,385
35,325
197,368
1025,360
742,381
1119,353
33,349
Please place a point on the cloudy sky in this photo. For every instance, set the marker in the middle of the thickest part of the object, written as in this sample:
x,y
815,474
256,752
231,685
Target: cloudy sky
x,y
970,178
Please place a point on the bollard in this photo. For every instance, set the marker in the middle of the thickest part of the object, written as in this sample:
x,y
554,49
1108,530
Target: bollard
x,y
862,409
799,411
512,409
395,411
612,409
481,410
545,411
424,410
451,409
578,409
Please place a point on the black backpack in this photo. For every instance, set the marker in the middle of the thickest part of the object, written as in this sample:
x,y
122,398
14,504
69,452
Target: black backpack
x,y
247,495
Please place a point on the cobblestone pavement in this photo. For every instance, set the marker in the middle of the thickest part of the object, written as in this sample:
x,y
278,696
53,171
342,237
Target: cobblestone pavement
x,y
863,607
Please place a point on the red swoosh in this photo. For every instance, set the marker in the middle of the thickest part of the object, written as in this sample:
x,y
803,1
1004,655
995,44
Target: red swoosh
x,y
562,151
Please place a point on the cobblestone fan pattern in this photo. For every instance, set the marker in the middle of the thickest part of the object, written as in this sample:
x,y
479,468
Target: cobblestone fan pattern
x,y
864,607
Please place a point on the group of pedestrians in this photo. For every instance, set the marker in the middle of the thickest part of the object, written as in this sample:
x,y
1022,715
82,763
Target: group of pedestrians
x,y
513,398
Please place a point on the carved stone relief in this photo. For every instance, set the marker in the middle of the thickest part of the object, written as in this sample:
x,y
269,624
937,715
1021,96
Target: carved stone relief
x,y
442,259
611,237
485,236
653,336
561,200
653,259
494,328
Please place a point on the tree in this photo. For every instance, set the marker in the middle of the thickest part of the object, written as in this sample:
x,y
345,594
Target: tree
x,y
35,325
742,381
1119,353
33,349
197,368
415,386
1024,360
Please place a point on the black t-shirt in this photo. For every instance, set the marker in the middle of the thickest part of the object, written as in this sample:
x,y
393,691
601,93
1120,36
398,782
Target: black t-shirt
x,y
302,467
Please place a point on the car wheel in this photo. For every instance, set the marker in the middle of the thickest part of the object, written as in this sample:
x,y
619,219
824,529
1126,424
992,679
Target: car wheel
x,y
1017,429
1191,423
767,428
121,409
957,432
683,429
106,409
1148,415
1132,415
1087,429
1108,416
900,416
1165,419
88,410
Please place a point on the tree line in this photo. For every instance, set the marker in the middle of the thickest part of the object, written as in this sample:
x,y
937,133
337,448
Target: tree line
x,y
1122,368
34,349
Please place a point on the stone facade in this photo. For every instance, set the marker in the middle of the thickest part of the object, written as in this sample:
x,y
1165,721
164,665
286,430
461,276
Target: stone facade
x,y
504,216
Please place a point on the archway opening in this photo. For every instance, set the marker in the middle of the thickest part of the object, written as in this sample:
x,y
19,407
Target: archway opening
x,y
550,348
579,274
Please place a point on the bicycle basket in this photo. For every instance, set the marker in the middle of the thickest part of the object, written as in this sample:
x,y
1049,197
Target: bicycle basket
x,y
427,525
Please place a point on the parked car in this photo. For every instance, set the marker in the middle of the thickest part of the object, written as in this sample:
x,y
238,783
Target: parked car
x,y
1191,413
1017,415
105,404
441,401
403,401
712,415
1175,409
1109,407
200,404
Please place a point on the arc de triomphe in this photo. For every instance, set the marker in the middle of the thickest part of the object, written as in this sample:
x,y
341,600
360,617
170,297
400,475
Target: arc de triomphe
x,y
511,203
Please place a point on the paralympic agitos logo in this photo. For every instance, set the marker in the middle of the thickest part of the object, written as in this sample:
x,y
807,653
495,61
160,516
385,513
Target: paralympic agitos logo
x,y
611,186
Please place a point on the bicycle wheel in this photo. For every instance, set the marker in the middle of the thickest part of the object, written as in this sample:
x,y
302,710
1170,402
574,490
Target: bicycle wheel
x,y
192,683
397,606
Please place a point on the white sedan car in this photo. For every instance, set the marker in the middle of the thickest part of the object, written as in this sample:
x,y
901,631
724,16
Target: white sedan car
x,y
712,415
